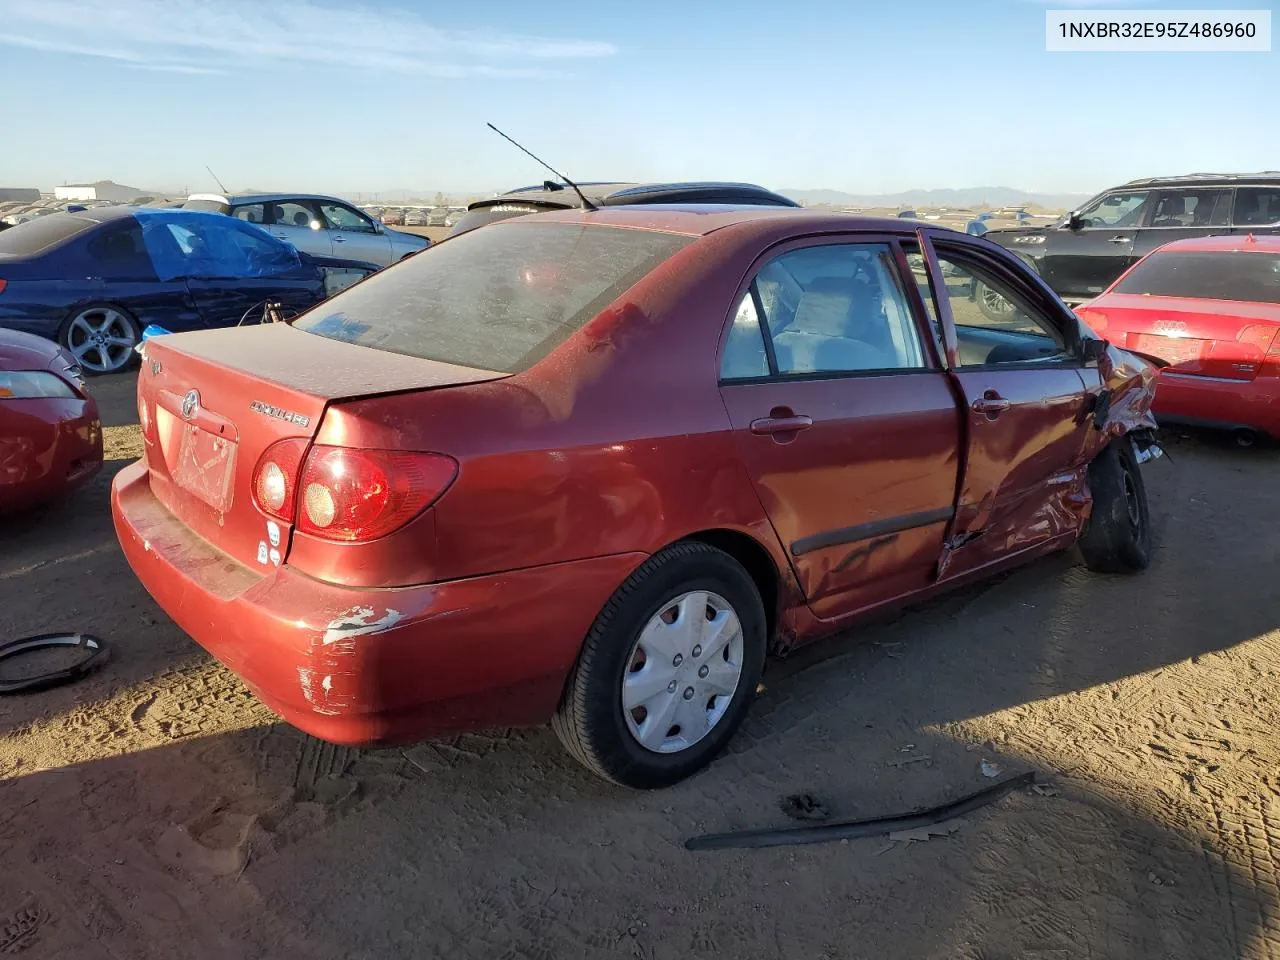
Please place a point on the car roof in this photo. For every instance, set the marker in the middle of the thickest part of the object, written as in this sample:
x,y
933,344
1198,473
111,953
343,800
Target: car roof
x,y
698,220
1264,177
230,198
612,193
1238,243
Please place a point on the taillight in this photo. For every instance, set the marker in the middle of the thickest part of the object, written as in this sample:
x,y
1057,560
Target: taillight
x,y
144,418
349,494
3,284
275,477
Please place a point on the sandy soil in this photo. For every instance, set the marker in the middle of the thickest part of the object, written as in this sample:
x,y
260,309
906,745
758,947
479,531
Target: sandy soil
x,y
155,810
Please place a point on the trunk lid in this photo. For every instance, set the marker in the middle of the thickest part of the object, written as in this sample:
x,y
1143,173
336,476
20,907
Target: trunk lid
x,y
211,402
1208,338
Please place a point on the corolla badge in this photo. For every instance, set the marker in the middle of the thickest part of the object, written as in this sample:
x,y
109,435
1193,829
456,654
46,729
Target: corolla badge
x,y
190,405
1170,328
278,413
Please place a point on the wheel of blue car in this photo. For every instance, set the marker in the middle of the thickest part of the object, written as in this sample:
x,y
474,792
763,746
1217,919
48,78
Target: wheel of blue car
x,y
668,671
101,337
993,306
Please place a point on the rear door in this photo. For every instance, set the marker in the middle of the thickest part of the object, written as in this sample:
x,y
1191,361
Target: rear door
x,y
1176,214
354,236
1027,408
843,418
232,271
298,222
1081,263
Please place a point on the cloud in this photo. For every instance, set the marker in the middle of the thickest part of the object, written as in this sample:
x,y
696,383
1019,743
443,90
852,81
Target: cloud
x,y
204,36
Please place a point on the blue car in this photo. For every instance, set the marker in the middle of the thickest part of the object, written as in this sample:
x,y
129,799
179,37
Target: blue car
x,y
92,280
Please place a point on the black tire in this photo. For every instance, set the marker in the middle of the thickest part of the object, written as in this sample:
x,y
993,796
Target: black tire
x,y
590,720
127,321
1117,536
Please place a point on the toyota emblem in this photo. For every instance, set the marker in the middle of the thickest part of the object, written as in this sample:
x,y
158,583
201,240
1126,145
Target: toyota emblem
x,y
190,405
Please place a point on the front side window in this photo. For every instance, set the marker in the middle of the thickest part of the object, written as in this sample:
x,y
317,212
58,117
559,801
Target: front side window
x,y
344,218
1115,210
1257,206
1191,208
1018,333
838,309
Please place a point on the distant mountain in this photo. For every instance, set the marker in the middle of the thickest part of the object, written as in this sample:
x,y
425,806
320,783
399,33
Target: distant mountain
x,y
966,197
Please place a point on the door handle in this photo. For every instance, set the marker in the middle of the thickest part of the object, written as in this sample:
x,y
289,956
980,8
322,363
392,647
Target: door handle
x,y
1120,240
775,425
339,239
990,403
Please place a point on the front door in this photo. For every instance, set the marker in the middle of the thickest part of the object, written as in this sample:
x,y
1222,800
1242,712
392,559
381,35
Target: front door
x,y
1080,263
844,420
354,235
1026,413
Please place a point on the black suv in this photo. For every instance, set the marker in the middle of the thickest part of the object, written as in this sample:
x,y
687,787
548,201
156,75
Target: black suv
x,y
1081,254
550,195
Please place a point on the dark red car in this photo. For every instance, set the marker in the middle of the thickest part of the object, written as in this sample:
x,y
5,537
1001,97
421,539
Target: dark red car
x,y
50,435
1210,308
593,467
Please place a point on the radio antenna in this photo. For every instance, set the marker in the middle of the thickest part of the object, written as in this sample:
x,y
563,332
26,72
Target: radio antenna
x,y
215,178
586,204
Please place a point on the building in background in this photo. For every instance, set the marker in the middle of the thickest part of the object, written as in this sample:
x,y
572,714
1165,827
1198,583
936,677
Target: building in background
x,y
19,195
99,190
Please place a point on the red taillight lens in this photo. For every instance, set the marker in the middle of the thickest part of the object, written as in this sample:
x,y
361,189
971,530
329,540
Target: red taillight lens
x,y
3,284
144,418
350,495
275,478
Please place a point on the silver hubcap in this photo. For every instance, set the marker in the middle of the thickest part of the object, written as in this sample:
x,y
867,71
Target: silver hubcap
x,y
995,302
682,672
101,339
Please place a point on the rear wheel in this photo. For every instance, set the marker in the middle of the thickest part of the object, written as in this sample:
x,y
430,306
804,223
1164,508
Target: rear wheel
x,y
1117,536
101,337
993,306
668,671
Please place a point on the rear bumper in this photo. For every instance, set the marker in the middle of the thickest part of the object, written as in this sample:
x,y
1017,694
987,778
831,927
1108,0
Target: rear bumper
x,y
1219,402
371,666
47,448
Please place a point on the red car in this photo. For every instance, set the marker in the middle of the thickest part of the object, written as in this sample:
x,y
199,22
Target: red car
x,y
50,435
1210,308
593,466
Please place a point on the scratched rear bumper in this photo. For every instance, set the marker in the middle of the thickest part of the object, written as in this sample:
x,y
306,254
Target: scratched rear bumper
x,y
363,667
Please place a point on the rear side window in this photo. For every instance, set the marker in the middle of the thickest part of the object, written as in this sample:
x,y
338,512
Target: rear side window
x,y
36,236
498,299
1257,206
1246,277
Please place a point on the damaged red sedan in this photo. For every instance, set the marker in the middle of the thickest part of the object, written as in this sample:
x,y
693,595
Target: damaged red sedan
x,y
592,467
50,435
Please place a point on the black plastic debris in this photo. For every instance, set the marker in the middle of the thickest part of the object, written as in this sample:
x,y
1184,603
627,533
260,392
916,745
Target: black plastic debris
x,y
854,829
95,653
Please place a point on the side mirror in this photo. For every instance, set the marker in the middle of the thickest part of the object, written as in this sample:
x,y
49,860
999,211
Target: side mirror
x,y
1094,350
1074,221
377,226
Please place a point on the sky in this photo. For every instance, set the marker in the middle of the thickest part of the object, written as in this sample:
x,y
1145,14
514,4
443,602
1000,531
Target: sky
x,y
357,96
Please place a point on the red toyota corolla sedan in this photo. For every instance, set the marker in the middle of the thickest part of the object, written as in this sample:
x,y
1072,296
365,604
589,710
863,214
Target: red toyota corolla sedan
x,y
1210,308
593,466
50,435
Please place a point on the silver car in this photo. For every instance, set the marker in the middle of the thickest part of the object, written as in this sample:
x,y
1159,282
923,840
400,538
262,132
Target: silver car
x,y
323,226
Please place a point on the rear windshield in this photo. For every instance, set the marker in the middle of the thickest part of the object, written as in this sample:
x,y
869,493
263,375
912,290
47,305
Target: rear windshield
x,y
498,299
1226,275
35,236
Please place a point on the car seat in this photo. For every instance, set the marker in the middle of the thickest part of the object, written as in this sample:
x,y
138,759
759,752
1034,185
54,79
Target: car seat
x,y
820,337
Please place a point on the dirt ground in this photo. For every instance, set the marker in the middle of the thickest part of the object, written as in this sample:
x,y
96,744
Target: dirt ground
x,y
155,810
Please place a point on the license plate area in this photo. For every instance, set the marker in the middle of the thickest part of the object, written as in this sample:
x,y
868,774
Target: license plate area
x,y
205,466
1176,350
